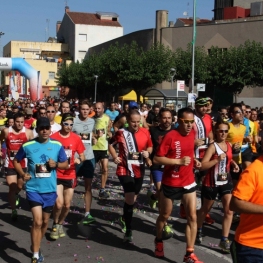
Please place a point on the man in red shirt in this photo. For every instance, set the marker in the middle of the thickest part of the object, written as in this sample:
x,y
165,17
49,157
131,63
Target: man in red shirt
x,y
135,146
176,152
28,118
66,179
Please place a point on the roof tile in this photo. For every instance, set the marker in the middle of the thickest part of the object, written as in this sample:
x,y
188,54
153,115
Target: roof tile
x,y
91,19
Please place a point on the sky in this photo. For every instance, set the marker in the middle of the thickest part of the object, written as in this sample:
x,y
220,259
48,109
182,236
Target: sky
x,y
35,20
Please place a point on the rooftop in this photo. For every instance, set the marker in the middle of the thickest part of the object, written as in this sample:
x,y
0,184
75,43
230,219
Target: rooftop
x,y
91,19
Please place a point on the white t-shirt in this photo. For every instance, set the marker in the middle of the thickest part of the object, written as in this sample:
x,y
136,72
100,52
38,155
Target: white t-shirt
x,y
54,128
144,113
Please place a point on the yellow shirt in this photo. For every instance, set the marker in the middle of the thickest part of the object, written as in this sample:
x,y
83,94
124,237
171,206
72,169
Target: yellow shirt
x,y
58,119
101,130
256,130
236,135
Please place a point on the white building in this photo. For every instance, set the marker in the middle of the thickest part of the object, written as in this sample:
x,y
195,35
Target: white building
x,y
84,30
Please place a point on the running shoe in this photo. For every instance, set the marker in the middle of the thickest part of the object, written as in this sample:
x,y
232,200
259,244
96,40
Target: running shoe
x,y
41,256
14,215
159,253
61,231
225,245
88,219
128,236
152,202
54,232
192,259
103,195
182,211
209,220
17,199
122,224
34,260
167,232
199,237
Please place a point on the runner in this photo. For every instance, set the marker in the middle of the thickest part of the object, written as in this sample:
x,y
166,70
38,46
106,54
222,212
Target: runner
x,y
176,152
66,179
100,144
14,136
50,115
83,126
217,160
44,156
122,121
135,146
65,108
157,134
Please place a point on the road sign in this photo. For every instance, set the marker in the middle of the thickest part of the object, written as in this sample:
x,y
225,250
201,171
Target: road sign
x,y
200,87
191,97
180,85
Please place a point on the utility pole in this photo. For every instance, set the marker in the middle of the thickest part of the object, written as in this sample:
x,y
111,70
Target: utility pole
x,y
1,54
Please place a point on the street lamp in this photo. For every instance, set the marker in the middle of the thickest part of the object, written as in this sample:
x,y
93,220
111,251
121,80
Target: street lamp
x,y
96,80
173,72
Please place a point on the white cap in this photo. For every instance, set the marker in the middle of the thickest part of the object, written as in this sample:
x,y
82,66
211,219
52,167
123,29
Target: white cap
x,y
32,105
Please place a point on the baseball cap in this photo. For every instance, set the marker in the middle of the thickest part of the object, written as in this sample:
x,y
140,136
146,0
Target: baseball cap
x,y
28,111
32,105
133,104
201,101
43,122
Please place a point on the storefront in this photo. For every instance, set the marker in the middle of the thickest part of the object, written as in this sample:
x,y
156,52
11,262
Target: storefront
x,y
166,98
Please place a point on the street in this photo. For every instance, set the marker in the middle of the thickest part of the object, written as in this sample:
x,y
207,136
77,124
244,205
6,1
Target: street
x,y
102,241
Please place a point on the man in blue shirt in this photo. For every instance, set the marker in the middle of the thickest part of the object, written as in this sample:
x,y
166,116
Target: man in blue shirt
x,y
44,156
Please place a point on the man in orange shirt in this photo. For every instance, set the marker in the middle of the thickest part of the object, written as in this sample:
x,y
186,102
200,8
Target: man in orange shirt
x,y
247,200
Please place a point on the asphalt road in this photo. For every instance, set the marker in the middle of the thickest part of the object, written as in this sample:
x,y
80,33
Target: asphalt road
x,y
102,242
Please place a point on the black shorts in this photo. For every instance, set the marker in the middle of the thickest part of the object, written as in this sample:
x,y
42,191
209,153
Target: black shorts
x,y
210,193
99,155
69,183
131,184
12,171
235,176
175,193
247,155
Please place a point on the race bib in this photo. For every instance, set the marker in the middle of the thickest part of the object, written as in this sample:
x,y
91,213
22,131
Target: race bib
x,y
85,137
69,155
135,158
42,170
12,154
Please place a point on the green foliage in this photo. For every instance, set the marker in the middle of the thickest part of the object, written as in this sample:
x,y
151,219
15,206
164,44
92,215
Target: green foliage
x,y
130,67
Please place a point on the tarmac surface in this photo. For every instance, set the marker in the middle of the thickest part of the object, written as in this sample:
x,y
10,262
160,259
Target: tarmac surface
x,y
102,241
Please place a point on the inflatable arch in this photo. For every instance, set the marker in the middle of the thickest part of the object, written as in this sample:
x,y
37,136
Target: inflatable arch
x,y
19,64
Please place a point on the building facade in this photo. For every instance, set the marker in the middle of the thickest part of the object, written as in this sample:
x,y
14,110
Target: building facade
x,y
46,57
82,31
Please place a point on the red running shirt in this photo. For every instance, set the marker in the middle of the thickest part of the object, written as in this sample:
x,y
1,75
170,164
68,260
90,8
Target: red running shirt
x,y
72,145
131,142
13,143
176,146
28,123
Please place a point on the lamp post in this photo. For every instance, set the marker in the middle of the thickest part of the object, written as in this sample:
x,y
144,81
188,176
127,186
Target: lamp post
x,y
95,94
172,70
1,54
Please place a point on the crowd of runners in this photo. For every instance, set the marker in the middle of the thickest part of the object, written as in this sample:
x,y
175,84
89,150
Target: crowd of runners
x,y
46,145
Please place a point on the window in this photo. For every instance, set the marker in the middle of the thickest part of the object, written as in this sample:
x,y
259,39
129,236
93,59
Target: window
x,y
83,37
51,75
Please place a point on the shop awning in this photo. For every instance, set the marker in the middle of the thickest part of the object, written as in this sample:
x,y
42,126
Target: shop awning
x,y
131,96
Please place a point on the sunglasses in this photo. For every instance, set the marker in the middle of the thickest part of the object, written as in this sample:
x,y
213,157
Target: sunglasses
x,y
50,111
68,124
223,131
44,128
187,121
248,111
238,112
